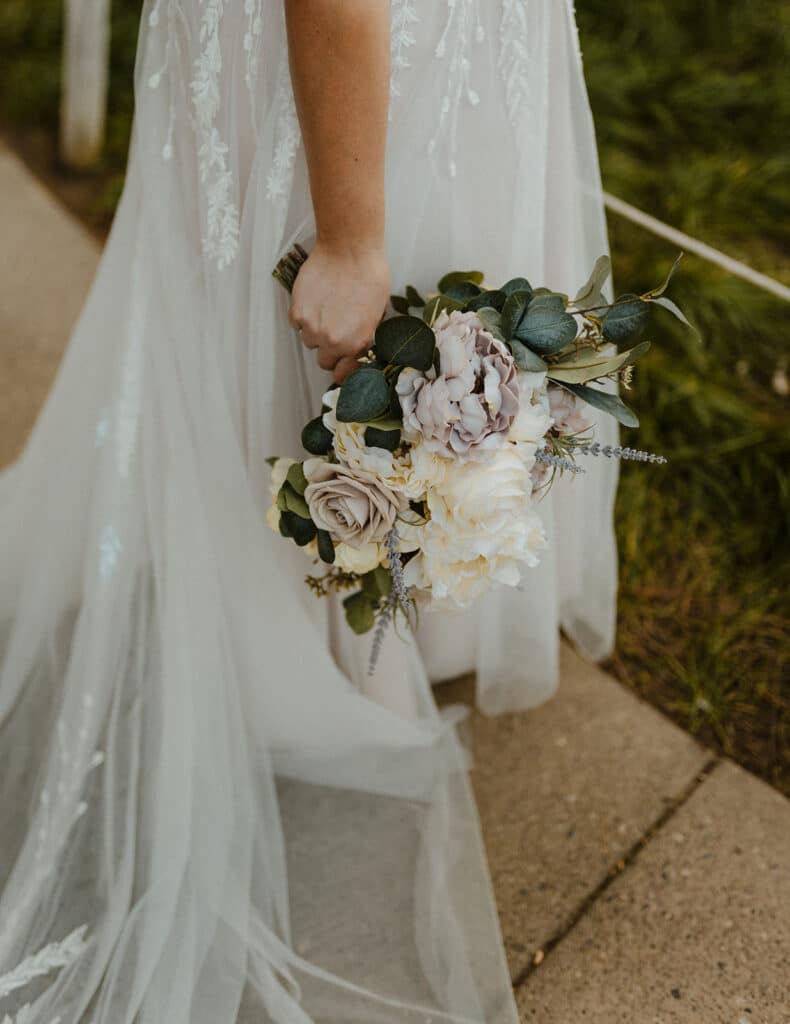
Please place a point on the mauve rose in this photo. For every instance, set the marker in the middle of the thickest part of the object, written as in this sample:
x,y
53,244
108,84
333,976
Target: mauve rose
x,y
463,411
353,509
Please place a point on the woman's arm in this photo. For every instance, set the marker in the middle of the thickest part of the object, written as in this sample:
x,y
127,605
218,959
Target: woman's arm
x,y
339,56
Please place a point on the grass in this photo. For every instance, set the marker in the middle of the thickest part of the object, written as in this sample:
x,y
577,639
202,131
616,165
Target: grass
x,y
691,106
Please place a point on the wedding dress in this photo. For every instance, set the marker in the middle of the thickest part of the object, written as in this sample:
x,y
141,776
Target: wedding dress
x,y
208,811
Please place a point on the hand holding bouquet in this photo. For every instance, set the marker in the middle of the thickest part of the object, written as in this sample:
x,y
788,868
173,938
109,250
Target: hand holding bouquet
x,y
426,463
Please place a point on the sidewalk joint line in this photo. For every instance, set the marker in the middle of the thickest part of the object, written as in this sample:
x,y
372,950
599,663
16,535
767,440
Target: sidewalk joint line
x,y
617,869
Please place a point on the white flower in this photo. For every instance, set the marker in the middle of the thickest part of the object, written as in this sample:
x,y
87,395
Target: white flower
x,y
482,529
360,560
393,470
570,414
533,420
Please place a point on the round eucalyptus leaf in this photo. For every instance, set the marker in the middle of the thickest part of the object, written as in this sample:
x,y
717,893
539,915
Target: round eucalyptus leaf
x,y
516,284
365,394
459,277
493,299
546,327
513,310
626,319
525,358
402,341
316,438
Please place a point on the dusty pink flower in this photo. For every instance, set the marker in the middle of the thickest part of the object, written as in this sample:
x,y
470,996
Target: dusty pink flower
x,y
465,409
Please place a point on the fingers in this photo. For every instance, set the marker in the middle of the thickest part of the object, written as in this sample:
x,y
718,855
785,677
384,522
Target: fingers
x,y
344,367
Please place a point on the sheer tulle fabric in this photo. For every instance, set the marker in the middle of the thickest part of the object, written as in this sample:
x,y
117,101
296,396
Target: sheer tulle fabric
x,y
208,811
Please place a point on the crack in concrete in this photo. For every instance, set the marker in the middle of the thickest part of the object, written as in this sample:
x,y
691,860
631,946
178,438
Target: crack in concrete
x,y
616,870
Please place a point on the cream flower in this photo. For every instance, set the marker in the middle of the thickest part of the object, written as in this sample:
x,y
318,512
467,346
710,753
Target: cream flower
x,y
570,414
533,421
400,471
482,529
360,560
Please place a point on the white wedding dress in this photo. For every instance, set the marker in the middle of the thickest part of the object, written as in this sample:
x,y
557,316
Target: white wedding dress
x,y
208,811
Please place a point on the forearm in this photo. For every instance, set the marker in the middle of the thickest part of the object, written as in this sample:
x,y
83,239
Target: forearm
x,y
339,57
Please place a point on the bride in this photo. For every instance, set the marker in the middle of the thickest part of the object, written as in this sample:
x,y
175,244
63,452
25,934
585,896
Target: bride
x,y
208,812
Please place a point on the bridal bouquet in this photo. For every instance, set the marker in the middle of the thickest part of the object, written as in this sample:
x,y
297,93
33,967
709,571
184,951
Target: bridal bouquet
x,y
426,464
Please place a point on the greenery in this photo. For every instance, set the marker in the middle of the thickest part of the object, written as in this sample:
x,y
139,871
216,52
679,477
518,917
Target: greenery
x,y
691,105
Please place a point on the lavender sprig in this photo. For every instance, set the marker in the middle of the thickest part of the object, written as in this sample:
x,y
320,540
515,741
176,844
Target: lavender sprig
x,y
627,454
561,462
398,597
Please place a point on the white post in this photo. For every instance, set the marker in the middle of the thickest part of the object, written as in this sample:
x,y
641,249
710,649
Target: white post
x,y
86,55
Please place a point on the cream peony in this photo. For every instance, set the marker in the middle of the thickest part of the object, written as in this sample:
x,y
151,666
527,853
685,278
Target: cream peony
x,y
360,560
482,529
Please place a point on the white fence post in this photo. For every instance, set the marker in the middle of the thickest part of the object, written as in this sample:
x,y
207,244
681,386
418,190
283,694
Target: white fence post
x,y
86,55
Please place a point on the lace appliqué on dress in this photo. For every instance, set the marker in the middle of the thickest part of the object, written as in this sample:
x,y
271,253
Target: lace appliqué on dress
x,y
513,56
286,145
50,958
221,238
464,28
404,17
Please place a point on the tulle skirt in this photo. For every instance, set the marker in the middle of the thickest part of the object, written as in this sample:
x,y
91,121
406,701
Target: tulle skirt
x,y
207,807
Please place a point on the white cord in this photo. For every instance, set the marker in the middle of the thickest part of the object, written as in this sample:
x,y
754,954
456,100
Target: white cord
x,y
689,244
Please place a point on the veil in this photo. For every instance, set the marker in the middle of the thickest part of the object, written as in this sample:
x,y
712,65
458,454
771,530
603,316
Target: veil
x,y
208,813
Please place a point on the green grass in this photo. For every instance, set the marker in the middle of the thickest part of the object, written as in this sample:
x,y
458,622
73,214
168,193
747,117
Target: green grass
x,y
692,107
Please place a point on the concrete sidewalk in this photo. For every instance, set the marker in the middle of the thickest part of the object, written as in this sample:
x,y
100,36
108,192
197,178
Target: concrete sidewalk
x,y
639,878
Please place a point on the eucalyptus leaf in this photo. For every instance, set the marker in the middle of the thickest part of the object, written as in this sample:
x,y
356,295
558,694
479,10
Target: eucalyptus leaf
x,y
590,293
282,500
413,297
360,612
542,293
462,291
625,320
302,530
326,549
513,310
492,321
675,310
404,341
283,527
546,327
399,304
492,300
586,365
387,439
525,358
516,284
294,502
365,394
296,478
604,401
458,277
654,293
271,460
435,305
377,583
316,438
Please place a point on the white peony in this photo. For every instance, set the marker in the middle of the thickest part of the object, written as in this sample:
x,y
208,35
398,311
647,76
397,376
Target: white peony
x,y
482,529
533,421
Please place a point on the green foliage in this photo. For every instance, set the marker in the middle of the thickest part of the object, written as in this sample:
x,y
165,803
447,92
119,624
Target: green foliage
x,y
365,395
405,341
545,327
316,438
360,612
